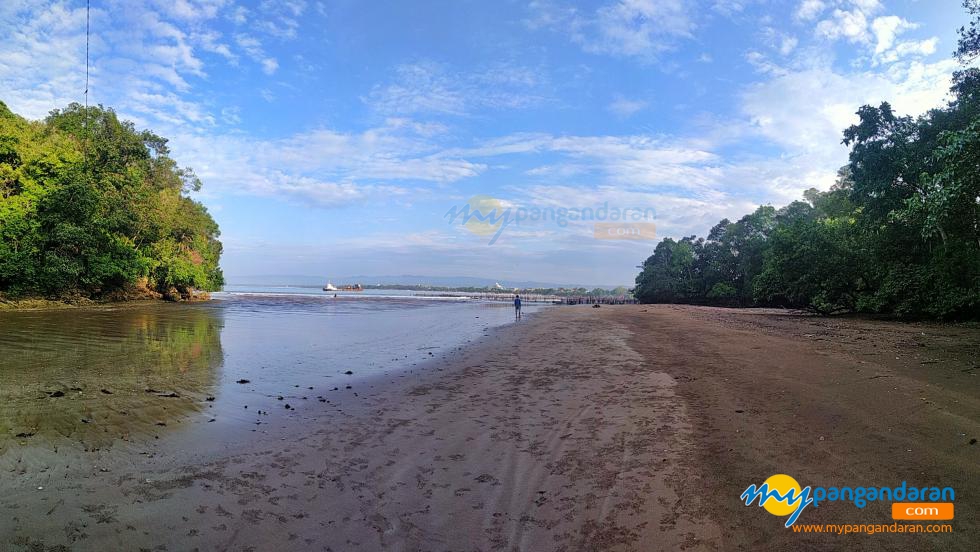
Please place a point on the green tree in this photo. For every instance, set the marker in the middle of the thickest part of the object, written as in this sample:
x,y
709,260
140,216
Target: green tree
x,y
89,206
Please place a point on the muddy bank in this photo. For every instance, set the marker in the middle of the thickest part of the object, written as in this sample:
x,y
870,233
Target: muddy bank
x,y
135,294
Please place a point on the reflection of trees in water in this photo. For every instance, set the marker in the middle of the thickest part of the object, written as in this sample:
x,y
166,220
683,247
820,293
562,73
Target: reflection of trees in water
x,y
98,375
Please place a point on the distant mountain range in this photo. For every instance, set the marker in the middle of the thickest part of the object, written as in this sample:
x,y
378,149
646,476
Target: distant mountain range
x,y
404,279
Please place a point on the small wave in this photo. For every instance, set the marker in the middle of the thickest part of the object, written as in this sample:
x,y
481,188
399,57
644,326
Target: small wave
x,y
339,296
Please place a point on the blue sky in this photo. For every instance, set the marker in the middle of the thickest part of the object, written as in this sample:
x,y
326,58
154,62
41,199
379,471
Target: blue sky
x,y
332,137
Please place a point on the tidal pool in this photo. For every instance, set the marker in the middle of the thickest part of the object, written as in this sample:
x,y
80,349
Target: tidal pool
x,y
95,377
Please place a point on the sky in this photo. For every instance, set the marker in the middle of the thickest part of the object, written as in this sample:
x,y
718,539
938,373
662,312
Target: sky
x,y
333,137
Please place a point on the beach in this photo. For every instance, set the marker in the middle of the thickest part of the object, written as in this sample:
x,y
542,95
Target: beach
x,y
618,428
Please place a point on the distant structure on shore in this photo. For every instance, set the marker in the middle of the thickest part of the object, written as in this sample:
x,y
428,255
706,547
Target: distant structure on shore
x,y
331,287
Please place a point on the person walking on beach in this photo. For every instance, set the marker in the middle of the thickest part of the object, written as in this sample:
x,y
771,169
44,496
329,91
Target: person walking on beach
x,y
517,306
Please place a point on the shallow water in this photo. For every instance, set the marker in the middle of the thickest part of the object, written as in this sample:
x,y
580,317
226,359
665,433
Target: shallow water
x,y
91,377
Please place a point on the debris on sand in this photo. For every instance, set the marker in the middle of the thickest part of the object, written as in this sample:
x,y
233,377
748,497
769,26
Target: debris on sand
x,y
55,394
106,392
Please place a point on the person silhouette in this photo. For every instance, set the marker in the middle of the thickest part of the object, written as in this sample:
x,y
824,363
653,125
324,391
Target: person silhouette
x,y
517,306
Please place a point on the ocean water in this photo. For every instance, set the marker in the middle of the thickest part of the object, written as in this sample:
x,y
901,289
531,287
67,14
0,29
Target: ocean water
x,y
93,377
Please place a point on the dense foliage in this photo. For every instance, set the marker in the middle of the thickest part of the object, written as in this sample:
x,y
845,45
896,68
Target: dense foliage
x,y
898,234
91,207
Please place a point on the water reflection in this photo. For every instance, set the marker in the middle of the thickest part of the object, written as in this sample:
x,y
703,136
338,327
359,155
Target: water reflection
x,y
95,375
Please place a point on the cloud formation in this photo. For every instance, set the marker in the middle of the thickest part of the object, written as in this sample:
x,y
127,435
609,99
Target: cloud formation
x,y
554,103
627,28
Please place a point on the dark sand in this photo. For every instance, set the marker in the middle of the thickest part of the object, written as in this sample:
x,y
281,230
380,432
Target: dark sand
x,y
829,401
579,429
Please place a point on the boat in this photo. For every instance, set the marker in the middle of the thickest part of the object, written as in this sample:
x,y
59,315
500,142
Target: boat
x,y
331,287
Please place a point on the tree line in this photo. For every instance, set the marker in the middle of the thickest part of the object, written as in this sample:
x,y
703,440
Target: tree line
x,y
898,234
91,207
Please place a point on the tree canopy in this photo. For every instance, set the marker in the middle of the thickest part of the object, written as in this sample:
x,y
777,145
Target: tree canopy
x,y
92,207
898,234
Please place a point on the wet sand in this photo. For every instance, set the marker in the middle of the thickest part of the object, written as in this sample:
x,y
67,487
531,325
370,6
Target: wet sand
x,y
829,401
620,428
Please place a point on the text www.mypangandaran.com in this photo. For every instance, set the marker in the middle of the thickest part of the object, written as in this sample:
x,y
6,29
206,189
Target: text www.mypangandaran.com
x,y
871,529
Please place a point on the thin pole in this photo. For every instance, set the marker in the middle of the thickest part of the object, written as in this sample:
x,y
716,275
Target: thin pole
x,y
85,120
87,26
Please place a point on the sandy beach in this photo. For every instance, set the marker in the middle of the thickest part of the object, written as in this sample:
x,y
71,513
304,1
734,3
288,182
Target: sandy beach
x,y
620,428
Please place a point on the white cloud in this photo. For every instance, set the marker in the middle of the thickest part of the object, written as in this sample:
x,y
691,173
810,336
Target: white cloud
x,y
787,45
855,22
191,10
231,115
323,166
849,25
674,215
211,41
239,15
888,49
638,27
641,161
548,14
886,28
808,10
158,48
785,138
623,107
253,48
428,87
911,48
629,28
280,19
780,41
762,63
805,111
269,65
27,36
